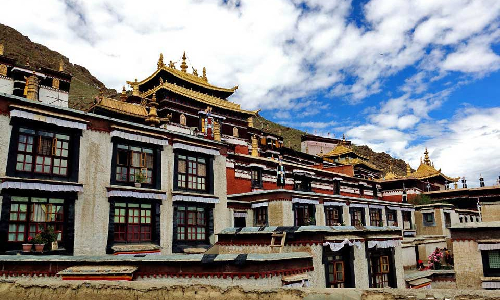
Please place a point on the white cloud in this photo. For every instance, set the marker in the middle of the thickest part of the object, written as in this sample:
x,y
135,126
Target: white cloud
x,y
274,50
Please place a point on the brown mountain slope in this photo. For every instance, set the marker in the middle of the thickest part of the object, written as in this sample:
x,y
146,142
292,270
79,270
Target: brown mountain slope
x,y
84,88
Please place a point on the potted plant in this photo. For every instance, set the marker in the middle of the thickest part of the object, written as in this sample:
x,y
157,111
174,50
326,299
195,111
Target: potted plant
x,y
139,179
27,247
435,259
50,237
39,242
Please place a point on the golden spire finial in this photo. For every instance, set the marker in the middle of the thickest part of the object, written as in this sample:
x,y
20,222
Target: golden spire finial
x,y
1,49
195,72
205,74
123,96
160,63
61,65
427,160
408,170
184,66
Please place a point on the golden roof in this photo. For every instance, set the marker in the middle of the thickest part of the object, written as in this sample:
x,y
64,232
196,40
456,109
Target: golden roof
x,y
353,161
427,171
122,107
182,74
207,99
390,175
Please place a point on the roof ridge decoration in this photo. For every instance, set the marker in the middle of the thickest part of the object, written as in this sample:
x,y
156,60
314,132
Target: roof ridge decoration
x,y
426,169
122,107
207,99
183,74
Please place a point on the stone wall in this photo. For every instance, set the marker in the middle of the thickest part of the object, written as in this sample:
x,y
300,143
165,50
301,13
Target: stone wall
x,y
490,212
437,229
5,141
468,264
42,289
92,206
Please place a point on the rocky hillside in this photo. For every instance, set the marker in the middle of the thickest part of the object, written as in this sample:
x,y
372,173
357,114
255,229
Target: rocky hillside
x,y
85,87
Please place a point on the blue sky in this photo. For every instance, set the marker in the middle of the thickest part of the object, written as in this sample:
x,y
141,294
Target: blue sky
x,y
398,75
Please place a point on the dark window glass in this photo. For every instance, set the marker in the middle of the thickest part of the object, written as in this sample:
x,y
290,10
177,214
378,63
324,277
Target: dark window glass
x,y
256,176
336,271
392,217
380,269
133,222
357,216
428,219
376,217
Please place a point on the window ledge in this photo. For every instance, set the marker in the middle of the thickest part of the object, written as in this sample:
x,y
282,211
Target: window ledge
x,y
184,193
492,279
133,188
49,181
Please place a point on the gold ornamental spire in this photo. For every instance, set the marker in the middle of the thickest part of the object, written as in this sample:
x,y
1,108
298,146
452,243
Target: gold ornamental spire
x,y
184,66
1,49
205,74
152,118
408,170
123,95
427,160
160,63
61,65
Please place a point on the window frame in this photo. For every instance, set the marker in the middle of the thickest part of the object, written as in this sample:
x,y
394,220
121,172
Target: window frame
x,y
258,212
156,166
425,219
391,213
378,213
129,206
209,178
330,211
185,225
308,210
352,211
256,183
487,270
72,158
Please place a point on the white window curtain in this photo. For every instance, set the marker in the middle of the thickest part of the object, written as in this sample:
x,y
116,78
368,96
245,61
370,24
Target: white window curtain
x,y
488,246
337,246
195,199
52,120
138,138
196,149
261,204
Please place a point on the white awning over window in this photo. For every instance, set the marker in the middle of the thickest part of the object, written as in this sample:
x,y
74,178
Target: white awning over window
x,y
394,207
407,209
41,186
195,199
488,246
240,214
135,194
384,244
260,204
304,201
196,149
334,204
358,205
138,138
47,119
376,206
337,246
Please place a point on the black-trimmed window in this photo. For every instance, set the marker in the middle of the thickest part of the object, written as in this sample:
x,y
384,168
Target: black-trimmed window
x,y
192,172
133,222
357,216
376,217
333,215
447,220
336,187
304,214
428,219
392,217
132,160
43,152
302,183
192,223
407,223
30,215
260,216
491,263
381,270
256,177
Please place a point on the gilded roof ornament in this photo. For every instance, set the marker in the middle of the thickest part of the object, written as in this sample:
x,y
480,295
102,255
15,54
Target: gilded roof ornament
x,y
135,87
195,72
123,95
61,65
205,74
171,64
184,66
160,63
408,170
427,160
